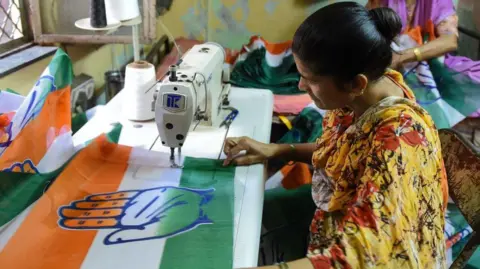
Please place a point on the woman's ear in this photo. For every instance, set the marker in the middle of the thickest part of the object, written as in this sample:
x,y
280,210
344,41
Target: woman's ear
x,y
359,84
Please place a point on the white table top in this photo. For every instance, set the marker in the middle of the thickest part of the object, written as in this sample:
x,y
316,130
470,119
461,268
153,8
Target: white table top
x,y
254,120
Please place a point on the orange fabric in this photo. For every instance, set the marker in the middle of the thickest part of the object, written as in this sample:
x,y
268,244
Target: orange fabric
x,y
416,34
430,30
31,142
98,168
277,48
272,48
296,175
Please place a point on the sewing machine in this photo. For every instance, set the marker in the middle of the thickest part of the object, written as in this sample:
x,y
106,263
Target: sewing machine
x,y
194,92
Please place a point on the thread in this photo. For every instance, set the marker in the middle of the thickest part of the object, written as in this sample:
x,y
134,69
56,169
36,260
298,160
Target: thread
x,y
138,95
169,34
122,10
98,14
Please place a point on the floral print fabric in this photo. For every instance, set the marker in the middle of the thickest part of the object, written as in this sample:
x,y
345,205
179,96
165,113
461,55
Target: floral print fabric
x,y
380,188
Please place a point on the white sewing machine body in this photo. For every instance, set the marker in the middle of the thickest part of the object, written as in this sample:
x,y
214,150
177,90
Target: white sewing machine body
x,y
193,92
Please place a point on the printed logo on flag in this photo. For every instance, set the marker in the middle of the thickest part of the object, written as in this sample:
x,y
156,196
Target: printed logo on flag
x,y
138,215
6,129
37,98
25,167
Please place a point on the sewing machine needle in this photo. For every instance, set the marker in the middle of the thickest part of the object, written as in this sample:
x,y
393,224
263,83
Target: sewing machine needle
x,y
172,158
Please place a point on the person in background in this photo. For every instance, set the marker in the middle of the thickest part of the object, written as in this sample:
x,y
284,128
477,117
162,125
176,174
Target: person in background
x,y
379,192
447,86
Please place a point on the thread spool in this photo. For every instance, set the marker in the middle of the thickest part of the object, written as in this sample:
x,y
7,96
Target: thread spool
x,y
98,14
140,80
122,10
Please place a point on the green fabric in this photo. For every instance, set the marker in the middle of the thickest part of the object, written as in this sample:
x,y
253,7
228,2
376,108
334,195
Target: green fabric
x,y
207,246
455,97
474,262
61,61
12,91
455,220
306,127
114,134
287,215
254,72
456,88
78,121
19,190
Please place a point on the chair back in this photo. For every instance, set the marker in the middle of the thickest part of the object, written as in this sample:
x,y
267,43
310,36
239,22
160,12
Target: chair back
x,y
462,164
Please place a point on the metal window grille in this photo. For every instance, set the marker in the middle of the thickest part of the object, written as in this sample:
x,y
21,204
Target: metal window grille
x,y
12,24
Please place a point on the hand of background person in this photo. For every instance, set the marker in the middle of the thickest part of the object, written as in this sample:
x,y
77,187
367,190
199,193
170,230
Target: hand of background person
x,y
397,61
255,152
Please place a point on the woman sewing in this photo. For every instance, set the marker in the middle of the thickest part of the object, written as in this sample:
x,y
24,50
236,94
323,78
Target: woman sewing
x,y
379,188
447,86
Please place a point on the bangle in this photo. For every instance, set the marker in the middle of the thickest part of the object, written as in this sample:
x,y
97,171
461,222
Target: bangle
x,y
283,266
418,54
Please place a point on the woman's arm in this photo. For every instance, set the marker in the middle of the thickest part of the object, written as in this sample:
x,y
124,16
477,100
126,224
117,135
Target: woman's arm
x,y
295,152
447,41
257,152
436,48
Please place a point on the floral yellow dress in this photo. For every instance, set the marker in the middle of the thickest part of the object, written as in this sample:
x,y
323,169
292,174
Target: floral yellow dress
x,y
380,188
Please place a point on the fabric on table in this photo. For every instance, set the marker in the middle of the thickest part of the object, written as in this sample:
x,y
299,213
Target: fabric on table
x,y
78,121
111,197
36,135
18,190
36,138
208,246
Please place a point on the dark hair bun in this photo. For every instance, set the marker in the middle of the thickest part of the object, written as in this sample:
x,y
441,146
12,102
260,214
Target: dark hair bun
x,y
387,21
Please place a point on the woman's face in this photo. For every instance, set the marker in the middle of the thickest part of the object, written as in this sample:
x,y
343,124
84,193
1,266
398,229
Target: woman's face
x,y
323,90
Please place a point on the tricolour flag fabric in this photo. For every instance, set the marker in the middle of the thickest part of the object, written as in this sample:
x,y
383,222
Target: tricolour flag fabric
x,y
114,206
35,131
264,65
35,137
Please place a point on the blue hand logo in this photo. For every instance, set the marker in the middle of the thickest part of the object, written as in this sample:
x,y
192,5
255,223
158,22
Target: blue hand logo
x,y
138,215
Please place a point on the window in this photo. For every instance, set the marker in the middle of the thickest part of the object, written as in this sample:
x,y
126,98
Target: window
x,y
13,25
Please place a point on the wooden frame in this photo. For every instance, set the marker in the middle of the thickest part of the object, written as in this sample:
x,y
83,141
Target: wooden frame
x,y
27,37
148,33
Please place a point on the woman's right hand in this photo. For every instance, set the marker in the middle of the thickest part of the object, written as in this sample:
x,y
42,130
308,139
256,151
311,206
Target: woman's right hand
x,y
255,152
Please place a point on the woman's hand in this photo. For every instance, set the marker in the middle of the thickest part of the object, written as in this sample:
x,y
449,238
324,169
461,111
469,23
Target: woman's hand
x,y
256,152
397,61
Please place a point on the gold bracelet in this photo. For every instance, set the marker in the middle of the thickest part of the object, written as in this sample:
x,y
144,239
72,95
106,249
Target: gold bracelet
x,y
418,54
